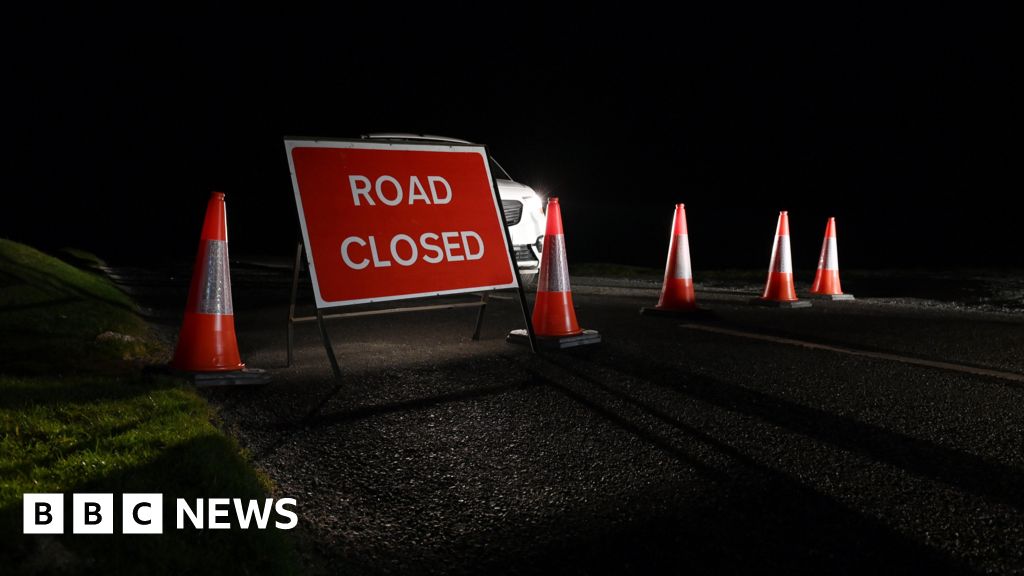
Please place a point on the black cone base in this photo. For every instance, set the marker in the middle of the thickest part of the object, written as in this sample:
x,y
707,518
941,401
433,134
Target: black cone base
x,y
555,342
244,377
777,304
836,297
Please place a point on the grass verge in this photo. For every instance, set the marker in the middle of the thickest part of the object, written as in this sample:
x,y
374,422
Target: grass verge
x,y
77,415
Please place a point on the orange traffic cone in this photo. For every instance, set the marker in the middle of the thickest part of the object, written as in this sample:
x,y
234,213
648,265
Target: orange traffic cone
x,y
826,281
779,291
554,319
677,295
206,342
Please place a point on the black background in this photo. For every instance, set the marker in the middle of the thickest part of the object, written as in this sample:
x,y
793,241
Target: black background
x,y
903,122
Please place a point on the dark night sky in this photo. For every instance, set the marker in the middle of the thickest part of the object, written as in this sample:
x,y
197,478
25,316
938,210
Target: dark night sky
x,y
902,122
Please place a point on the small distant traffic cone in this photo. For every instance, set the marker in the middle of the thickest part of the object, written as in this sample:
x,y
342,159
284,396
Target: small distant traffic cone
x,y
207,348
677,297
554,319
826,281
779,290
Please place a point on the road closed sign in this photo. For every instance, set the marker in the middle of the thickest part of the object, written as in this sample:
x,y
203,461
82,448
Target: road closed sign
x,y
387,221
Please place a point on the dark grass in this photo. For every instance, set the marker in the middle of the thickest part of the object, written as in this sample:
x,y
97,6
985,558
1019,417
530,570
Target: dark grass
x,y
55,318
77,414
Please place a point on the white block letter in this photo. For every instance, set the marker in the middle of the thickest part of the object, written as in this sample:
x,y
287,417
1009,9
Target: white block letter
x,y
432,180
470,255
281,510
449,245
251,511
394,250
218,509
377,262
380,191
196,517
92,514
433,248
414,186
142,514
348,260
43,514
360,186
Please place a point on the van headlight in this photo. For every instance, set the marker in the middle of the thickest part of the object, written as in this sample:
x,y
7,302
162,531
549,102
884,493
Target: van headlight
x,y
537,202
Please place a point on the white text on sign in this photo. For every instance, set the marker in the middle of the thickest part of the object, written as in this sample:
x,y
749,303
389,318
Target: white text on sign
x,y
389,191
430,247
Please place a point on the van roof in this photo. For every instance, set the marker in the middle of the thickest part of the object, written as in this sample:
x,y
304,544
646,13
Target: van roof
x,y
410,136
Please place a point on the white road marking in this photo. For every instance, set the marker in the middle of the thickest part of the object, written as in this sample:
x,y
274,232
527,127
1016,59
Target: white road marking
x,y
867,354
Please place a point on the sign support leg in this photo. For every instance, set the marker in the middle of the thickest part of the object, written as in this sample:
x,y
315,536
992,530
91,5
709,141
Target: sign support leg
x,y
480,315
515,269
526,313
327,344
296,266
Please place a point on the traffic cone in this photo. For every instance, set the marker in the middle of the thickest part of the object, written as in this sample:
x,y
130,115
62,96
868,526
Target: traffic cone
x,y
677,297
779,291
826,280
554,319
207,348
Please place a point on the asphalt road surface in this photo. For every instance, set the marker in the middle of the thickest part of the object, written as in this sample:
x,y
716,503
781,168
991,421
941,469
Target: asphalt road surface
x,y
851,437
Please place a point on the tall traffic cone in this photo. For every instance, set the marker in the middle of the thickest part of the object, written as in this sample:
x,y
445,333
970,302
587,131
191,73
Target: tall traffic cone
x,y
677,297
826,280
554,319
207,347
779,291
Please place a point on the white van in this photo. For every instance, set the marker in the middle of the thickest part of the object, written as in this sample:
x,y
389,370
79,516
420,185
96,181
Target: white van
x,y
524,209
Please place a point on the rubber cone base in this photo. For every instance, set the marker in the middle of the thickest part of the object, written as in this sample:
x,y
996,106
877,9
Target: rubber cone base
x,y
780,303
555,342
694,313
836,297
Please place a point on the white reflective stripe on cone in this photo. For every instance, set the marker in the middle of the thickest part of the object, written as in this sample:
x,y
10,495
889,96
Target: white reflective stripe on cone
x,y
215,284
832,259
682,256
554,270
829,259
781,258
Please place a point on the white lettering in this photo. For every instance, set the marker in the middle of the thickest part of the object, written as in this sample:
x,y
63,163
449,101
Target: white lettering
x,y
360,186
434,248
218,509
394,250
184,509
358,191
377,262
414,185
344,253
405,250
465,244
380,191
283,511
432,180
449,245
253,511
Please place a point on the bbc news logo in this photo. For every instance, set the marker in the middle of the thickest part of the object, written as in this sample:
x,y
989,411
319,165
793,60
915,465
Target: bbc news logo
x,y
143,513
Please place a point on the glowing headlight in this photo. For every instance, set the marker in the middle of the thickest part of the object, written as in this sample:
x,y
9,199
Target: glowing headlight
x,y
537,201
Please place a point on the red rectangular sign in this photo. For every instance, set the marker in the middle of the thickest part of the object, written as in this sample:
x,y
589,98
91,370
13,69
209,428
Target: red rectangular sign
x,y
386,221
